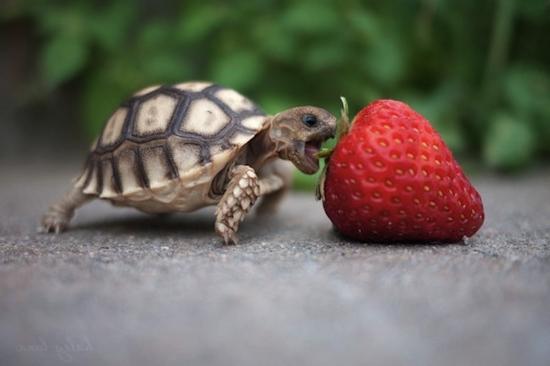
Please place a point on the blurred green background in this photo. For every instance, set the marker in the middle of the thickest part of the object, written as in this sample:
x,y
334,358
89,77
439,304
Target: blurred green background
x,y
479,70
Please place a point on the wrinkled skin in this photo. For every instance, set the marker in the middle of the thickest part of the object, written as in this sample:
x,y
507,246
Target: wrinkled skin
x,y
298,134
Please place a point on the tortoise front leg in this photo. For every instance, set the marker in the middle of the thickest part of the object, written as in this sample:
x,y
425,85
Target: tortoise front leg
x,y
60,214
242,191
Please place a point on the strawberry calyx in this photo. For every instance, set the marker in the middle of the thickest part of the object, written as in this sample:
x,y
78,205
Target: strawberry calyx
x,y
342,128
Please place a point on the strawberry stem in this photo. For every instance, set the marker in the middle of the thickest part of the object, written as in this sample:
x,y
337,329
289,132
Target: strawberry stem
x,y
343,123
342,127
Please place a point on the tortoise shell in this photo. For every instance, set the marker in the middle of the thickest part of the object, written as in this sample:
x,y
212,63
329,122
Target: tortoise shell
x,y
164,136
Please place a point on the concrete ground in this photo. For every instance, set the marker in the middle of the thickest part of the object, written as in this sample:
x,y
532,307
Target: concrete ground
x,y
123,288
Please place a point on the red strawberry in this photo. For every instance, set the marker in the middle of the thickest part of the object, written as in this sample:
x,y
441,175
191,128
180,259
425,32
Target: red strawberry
x,y
392,178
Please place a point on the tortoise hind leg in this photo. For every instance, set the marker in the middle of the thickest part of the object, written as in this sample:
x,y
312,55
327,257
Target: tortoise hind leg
x,y
60,214
272,190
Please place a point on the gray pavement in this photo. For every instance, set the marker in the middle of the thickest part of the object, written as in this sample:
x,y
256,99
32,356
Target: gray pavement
x,y
123,288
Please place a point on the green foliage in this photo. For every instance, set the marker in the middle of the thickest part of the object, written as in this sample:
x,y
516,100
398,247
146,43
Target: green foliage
x,y
510,143
62,58
240,69
457,62
526,90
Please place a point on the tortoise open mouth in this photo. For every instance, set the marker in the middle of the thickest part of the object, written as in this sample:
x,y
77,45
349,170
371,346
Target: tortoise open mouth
x,y
311,148
310,159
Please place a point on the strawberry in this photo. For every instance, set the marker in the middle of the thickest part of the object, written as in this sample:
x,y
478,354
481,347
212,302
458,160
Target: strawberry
x,y
392,178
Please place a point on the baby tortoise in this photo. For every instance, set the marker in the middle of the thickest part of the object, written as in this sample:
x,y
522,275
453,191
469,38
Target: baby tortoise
x,y
190,145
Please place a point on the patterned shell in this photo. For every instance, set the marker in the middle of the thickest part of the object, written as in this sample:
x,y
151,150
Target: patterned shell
x,y
166,134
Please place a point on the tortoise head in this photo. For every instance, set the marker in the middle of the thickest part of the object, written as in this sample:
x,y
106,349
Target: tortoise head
x,y
298,134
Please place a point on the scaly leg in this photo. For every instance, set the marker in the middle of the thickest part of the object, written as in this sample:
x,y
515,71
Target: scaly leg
x,y
242,191
271,201
60,214
273,189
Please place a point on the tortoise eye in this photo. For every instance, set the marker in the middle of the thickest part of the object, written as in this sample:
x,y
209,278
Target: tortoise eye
x,y
309,120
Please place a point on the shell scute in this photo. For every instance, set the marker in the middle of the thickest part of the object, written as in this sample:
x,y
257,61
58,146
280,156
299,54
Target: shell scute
x,y
126,163
235,101
109,186
154,115
114,127
204,117
157,166
186,156
146,90
193,86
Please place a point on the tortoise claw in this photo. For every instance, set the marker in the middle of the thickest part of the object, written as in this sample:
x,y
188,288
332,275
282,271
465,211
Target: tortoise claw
x,y
230,239
53,222
227,233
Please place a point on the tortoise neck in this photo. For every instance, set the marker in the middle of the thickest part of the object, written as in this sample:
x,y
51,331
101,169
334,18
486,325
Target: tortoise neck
x,y
262,148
